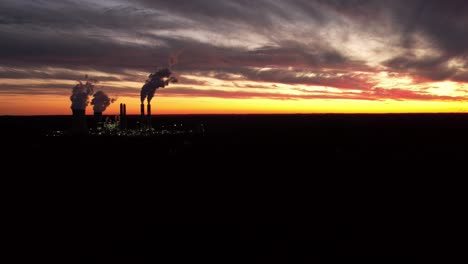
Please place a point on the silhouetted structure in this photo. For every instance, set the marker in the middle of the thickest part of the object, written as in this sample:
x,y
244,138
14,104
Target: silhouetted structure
x,y
97,119
98,116
159,79
148,113
79,126
123,116
142,116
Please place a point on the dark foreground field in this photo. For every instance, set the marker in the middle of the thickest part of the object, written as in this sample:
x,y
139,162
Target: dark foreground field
x,y
250,189
245,138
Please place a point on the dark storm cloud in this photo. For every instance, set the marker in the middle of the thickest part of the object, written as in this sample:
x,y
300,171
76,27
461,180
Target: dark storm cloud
x,y
445,25
373,95
179,91
35,89
294,54
314,77
74,15
59,89
232,38
444,22
74,33
434,68
69,50
461,76
259,12
356,81
46,73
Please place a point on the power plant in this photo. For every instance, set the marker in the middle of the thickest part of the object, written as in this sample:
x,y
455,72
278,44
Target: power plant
x,y
159,79
80,99
145,120
124,125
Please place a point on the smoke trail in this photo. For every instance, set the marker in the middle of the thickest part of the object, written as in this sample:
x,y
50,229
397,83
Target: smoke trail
x,y
81,92
101,101
174,58
151,94
144,91
156,80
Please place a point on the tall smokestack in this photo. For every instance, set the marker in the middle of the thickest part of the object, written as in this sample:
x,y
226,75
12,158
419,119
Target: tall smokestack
x,y
121,123
125,116
148,112
142,116
159,79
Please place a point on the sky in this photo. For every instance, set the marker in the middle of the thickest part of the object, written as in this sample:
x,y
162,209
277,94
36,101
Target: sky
x,y
237,56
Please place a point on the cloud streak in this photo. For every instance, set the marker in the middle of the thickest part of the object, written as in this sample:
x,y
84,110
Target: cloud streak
x,y
339,46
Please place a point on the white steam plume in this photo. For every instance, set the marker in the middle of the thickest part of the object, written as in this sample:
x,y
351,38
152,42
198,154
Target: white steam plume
x,y
81,92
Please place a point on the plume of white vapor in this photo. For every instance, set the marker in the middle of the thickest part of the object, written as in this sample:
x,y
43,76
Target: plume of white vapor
x,y
156,80
101,101
81,92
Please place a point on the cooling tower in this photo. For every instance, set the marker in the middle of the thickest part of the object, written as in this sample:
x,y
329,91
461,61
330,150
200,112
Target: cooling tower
x,y
97,120
79,126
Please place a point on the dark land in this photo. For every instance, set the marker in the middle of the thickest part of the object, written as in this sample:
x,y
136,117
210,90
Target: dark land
x,y
325,137
250,188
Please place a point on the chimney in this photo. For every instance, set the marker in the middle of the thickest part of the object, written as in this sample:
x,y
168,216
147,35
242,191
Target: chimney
x,y
121,123
124,116
148,110
79,126
142,116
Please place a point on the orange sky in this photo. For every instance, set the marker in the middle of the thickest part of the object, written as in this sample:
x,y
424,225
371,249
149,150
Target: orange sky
x,y
297,57
213,96
60,105
206,95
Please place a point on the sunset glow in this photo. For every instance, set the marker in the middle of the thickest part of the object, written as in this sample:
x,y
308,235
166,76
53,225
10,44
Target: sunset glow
x,y
296,57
